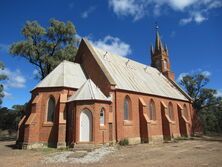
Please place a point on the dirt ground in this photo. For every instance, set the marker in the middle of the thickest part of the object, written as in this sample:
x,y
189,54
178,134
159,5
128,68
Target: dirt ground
x,y
185,153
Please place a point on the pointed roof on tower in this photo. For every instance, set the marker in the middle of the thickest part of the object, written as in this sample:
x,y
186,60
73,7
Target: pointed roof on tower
x,y
88,91
158,43
66,74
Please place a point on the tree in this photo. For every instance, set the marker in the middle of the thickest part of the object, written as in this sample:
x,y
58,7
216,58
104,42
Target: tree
x,y
205,101
195,87
2,77
45,48
9,118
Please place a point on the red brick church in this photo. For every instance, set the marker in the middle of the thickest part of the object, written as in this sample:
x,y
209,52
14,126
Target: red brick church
x,y
103,98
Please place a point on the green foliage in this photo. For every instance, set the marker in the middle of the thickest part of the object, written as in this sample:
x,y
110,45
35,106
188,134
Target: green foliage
x,y
205,101
46,47
9,118
124,142
195,87
2,77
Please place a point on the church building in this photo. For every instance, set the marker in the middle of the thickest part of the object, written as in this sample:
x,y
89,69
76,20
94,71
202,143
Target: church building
x,y
103,97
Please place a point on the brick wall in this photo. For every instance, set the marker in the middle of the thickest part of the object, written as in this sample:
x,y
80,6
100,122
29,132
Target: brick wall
x,y
100,133
132,129
37,129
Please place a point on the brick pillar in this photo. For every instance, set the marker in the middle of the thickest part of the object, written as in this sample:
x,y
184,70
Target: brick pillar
x,y
32,124
187,129
62,122
149,132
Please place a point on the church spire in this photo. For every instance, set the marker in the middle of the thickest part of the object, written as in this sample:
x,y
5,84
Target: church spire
x,y
160,58
158,43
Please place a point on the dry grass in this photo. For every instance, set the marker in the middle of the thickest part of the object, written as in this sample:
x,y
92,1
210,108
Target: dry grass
x,y
201,152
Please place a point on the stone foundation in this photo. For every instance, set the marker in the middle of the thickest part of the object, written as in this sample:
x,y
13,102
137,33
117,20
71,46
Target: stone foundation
x,y
136,140
61,145
156,139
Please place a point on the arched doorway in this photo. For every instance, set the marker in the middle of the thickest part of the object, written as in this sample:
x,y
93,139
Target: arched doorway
x,y
85,126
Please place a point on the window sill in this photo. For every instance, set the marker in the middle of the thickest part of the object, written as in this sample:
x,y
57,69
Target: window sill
x,y
47,124
127,123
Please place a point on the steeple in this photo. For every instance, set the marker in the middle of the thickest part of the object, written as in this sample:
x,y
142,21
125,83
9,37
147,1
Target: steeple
x,y
160,57
158,43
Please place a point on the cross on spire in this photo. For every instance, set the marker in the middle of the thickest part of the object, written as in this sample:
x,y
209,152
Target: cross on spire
x,y
156,26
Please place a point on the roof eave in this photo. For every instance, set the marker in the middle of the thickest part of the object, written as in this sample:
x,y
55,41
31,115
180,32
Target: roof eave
x,y
90,100
181,90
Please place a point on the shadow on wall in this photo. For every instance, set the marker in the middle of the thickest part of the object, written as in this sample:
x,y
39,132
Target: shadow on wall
x,y
53,135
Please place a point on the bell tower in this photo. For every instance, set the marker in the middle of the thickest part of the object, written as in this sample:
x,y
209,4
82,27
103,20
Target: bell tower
x,y
160,57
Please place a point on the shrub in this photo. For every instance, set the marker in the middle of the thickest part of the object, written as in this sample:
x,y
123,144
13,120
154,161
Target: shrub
x,y
124,142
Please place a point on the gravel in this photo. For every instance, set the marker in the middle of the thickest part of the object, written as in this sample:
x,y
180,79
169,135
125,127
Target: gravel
x,y
90,157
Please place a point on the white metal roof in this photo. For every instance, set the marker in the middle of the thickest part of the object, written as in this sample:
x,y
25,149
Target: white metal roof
x,y
66,74
134,76
88,91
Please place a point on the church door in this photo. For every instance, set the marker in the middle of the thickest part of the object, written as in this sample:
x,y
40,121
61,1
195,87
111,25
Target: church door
x,y
85,126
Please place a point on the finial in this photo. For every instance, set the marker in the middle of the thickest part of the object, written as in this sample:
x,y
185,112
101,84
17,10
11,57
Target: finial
x,y
156,26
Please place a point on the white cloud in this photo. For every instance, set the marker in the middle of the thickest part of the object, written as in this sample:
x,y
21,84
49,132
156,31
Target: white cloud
x,y
15,78
185,21
199,18
8,95
127,8
219,93
194,17
36,74
180,4
113,45
214,4
205,73
86,13
197,10
180,77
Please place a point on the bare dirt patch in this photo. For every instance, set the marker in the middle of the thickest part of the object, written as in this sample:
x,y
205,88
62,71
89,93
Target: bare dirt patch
x,y
195,153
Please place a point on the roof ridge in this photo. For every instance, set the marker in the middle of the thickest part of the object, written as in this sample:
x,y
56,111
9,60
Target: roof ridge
x,y
91,95
65,74
91,89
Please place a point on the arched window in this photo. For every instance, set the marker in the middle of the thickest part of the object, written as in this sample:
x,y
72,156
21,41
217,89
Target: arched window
x,y
152,110
51,109
170,111
164,64
102,117
185,111
127,108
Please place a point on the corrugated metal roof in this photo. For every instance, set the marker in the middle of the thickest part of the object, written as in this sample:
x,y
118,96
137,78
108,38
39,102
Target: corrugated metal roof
x,y
88,91
66,74
134,76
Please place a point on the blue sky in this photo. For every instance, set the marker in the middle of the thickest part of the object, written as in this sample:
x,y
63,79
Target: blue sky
x,y
192,30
